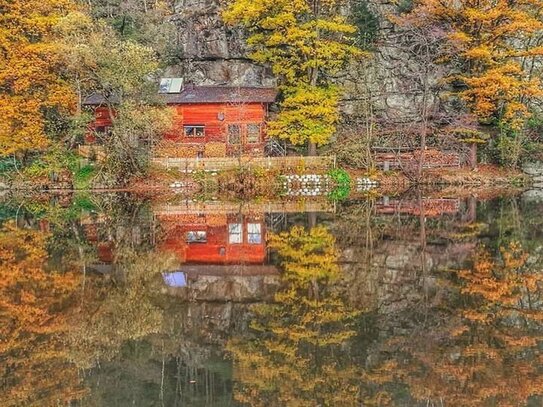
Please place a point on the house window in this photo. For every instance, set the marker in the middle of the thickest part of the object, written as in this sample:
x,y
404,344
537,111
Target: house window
x,y
194,130
102,130
254,233
234,134
196,236
235,233
253,133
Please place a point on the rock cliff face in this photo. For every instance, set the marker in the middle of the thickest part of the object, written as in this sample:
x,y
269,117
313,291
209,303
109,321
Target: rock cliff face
x,y
212,53
215,54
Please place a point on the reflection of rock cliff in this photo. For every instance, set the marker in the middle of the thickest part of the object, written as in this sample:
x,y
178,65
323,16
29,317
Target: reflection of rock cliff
x,y
391,262
253,283
397,271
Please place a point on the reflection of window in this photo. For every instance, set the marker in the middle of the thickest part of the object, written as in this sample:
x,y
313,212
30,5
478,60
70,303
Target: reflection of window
x,y
254,233
234,134
253,133
102,130
196,236
194,130
234,233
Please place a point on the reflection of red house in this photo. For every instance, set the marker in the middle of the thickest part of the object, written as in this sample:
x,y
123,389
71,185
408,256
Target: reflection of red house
x,y
94,236
232,119
215,239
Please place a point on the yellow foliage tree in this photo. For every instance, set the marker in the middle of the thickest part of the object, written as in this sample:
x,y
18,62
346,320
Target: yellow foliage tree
x,y
308,113
32,79
304,42
34,315
298,357
494,45
307,256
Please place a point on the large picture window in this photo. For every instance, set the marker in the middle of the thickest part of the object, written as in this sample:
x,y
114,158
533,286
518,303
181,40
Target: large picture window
x,y
253,133
194,130
234,134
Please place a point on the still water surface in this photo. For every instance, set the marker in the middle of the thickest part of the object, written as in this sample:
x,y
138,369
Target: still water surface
x,y
421,300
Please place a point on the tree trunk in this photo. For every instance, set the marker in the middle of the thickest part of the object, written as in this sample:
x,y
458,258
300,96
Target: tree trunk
x,y
311,220
473,156
311,148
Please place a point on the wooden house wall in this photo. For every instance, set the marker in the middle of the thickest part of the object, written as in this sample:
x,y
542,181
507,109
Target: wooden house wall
x,y
210,252
102,118
216,117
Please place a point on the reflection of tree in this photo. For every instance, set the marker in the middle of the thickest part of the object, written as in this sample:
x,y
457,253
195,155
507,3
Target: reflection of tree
x,y
119,309
486,349
34,313
299,357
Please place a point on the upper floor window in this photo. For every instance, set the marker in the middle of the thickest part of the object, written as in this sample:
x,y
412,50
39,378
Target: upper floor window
x,y
254,233
194,130
253,133
234,133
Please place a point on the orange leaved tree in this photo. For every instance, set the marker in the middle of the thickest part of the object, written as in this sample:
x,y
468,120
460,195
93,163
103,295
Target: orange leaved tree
x,y
493,49
32,82
34,306
494,46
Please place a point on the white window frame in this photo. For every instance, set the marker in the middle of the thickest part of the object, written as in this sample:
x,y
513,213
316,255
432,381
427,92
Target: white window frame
x,y
235,236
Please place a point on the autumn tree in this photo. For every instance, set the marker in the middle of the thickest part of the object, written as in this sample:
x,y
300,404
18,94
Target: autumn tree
x,y
125,73
33,79
35,309
305,43
493,52
307,256
298,358
485,349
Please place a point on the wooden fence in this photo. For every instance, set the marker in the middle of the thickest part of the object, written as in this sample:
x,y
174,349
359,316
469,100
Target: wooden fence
x,y
227,163
401,159
219,207
428,206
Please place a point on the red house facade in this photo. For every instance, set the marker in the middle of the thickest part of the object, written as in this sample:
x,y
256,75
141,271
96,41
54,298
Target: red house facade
x,y
215,239
211,121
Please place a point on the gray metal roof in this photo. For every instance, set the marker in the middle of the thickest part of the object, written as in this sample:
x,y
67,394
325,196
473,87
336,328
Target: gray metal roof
x,y
203,94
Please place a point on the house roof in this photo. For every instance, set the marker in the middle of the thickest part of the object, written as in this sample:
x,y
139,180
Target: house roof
x,y
222,94
203,94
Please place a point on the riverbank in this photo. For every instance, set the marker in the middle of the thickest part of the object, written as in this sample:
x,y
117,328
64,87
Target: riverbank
x,y
254,181
484,175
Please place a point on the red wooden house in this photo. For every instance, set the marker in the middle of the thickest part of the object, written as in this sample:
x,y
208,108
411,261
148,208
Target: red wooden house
x,y
215,239
211,121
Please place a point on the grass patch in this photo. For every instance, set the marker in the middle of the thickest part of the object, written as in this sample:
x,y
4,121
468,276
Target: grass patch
x,y
84,176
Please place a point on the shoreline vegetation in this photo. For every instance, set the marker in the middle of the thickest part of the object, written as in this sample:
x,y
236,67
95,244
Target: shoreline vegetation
x,y
251,183
473,114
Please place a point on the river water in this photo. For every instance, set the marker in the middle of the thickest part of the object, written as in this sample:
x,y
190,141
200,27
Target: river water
x,y
425,299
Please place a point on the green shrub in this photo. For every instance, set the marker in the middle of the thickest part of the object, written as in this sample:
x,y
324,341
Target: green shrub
x,y
6,165
342,184
83,177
